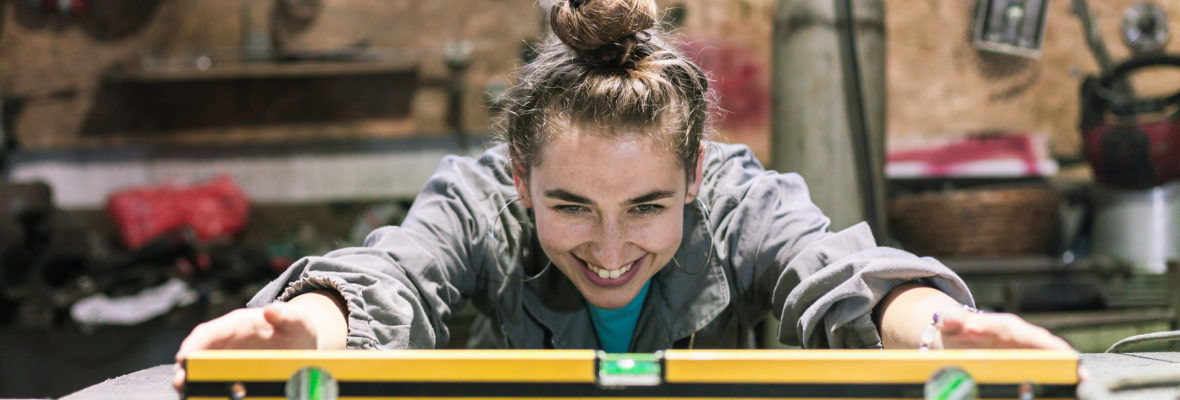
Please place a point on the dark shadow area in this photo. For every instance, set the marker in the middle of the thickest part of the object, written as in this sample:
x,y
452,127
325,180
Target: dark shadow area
x,y
127,106
29,16
292,17
106,20
46,351
41,362
995,66
111,20
3,16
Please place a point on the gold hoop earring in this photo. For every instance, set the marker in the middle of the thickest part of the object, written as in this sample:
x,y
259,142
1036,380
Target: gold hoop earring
x,y
708,233
492,235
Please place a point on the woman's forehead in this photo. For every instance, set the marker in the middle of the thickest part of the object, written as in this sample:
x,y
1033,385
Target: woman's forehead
x,y
621,163
597,142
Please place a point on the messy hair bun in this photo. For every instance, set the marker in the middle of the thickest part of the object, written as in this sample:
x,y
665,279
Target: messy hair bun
x,y
607,64
603,30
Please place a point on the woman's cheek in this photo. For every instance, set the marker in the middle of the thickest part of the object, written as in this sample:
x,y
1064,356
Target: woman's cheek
x,y
561,232
659,234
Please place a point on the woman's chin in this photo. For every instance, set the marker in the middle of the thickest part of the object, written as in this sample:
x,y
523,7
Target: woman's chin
x,y
607,298
613,303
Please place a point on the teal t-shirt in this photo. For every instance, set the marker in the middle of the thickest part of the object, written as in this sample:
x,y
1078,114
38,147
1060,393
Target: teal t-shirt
x,y
615,327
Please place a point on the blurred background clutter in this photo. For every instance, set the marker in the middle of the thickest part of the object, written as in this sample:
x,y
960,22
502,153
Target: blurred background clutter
x,y
160,160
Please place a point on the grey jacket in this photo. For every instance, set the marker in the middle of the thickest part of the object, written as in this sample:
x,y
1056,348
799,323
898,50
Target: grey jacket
x,y
466,239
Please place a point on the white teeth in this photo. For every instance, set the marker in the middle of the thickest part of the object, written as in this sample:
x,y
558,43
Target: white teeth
x,y
609,274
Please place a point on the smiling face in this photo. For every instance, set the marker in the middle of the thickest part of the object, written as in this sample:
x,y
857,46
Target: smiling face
x,y
609,210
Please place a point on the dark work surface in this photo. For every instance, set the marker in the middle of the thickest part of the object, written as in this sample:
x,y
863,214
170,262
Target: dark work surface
x,y
155,383
152,383
50,362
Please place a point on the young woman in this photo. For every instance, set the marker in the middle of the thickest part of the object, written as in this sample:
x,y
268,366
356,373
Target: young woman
x,y
605,221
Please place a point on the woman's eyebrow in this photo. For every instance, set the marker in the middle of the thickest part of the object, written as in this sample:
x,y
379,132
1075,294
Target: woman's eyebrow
x,y
652,196
563,195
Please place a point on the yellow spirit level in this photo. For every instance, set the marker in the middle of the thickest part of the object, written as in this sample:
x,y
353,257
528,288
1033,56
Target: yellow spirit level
x,y
698,374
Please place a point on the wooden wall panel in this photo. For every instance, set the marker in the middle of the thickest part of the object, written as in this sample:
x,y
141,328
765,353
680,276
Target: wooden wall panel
x,y
939,86
731,41
53,66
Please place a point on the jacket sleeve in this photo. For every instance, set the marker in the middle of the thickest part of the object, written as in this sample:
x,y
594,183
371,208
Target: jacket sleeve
x,y
404,283
823,285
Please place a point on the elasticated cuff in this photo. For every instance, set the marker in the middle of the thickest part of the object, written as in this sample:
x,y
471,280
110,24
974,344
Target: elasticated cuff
x,y
360,337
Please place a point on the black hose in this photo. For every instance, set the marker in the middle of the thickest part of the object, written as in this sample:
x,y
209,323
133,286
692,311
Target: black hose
x,y
1166,336
1103,94
854,105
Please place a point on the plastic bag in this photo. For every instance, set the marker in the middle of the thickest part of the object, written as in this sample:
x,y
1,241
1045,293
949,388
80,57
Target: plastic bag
x,y
215,209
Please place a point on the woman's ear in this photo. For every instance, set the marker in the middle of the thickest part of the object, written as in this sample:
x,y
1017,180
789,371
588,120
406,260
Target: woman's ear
x,y
520,180
694,187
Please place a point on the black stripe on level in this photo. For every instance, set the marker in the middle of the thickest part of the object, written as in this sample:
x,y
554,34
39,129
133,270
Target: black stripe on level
x,y
722,390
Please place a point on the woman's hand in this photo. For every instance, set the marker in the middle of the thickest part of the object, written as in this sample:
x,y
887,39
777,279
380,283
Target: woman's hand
x,y
909,310
312,320
966,330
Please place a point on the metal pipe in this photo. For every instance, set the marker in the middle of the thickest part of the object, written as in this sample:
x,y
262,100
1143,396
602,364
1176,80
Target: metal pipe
x,y
828,102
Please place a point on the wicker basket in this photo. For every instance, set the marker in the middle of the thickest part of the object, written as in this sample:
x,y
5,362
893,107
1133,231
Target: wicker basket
x,y
977,222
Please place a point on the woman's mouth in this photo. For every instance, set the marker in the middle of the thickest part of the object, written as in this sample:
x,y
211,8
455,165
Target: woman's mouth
x,y
616,277
609,274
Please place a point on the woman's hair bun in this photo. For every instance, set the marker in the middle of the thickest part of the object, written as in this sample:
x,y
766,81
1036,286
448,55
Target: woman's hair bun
x,y
587,25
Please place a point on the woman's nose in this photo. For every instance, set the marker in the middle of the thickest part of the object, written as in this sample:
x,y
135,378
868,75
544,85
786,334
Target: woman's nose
x,y
611,244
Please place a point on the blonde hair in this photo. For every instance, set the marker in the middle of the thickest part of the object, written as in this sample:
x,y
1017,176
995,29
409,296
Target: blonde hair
x,y
606,64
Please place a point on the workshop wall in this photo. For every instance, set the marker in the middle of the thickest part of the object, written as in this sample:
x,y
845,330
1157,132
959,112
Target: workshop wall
x,y
92,78
57,71
940,86
731,41
122,72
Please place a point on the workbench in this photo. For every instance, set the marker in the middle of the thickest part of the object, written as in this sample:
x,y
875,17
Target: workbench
x,y
155,383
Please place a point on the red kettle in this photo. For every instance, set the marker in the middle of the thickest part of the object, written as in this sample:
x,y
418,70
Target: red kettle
x,y
1130,142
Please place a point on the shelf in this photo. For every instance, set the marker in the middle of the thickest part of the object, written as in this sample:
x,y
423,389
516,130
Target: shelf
x,y
204,68
1086,319
1006,267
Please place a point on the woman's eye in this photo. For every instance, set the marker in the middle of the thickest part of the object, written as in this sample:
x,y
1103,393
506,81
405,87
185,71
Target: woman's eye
x,y
648,209
570,209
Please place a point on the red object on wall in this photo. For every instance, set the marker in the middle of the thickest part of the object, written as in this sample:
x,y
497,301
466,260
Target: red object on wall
x,y
739,80
1130,141
215,209
1134,155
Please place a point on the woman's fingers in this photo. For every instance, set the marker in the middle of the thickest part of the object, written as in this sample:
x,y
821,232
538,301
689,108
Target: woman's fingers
x,y
290,327
213,334
277,326
277,314
242,328
996,330
178,377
